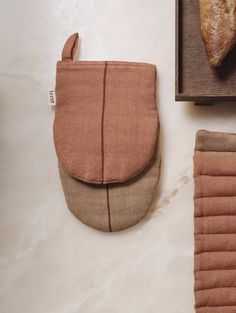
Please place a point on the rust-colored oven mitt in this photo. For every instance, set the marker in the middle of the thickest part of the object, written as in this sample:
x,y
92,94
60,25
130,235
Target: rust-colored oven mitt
x,y
215,222
106,138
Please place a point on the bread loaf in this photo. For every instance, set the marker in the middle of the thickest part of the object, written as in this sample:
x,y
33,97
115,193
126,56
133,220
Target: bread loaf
x,y
218,27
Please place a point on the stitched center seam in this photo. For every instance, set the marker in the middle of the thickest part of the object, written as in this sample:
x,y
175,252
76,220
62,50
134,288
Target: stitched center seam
x,y
102,120
108,208
102,146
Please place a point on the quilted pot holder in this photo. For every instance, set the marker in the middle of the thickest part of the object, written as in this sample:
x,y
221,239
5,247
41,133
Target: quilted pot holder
x,y
106,138
215,222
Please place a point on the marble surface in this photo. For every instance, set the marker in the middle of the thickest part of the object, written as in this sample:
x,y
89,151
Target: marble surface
x,y
50,262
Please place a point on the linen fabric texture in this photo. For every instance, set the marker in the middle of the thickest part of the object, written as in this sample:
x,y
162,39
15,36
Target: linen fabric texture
x,y
106,132
215,222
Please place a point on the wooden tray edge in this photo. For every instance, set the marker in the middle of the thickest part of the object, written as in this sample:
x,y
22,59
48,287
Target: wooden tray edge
x,y
179,95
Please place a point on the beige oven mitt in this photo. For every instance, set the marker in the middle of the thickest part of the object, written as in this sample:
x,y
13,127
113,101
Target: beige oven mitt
x,y
215,222
106,138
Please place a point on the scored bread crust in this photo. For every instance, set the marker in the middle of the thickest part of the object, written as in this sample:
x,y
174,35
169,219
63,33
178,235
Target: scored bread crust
x,y
218,27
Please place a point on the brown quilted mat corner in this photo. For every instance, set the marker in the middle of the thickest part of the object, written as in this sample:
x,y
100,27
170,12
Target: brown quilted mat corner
x,y
215,222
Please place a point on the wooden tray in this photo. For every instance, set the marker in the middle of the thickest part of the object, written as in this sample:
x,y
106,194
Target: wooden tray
x,y
195,79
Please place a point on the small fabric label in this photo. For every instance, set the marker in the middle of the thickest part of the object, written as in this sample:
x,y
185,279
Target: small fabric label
x,y
51,97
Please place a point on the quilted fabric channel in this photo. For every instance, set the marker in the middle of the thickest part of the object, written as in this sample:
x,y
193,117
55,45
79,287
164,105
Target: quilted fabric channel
x,y
215,222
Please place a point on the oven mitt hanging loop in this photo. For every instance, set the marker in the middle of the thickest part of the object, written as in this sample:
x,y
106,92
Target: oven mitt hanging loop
x,y
70,47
